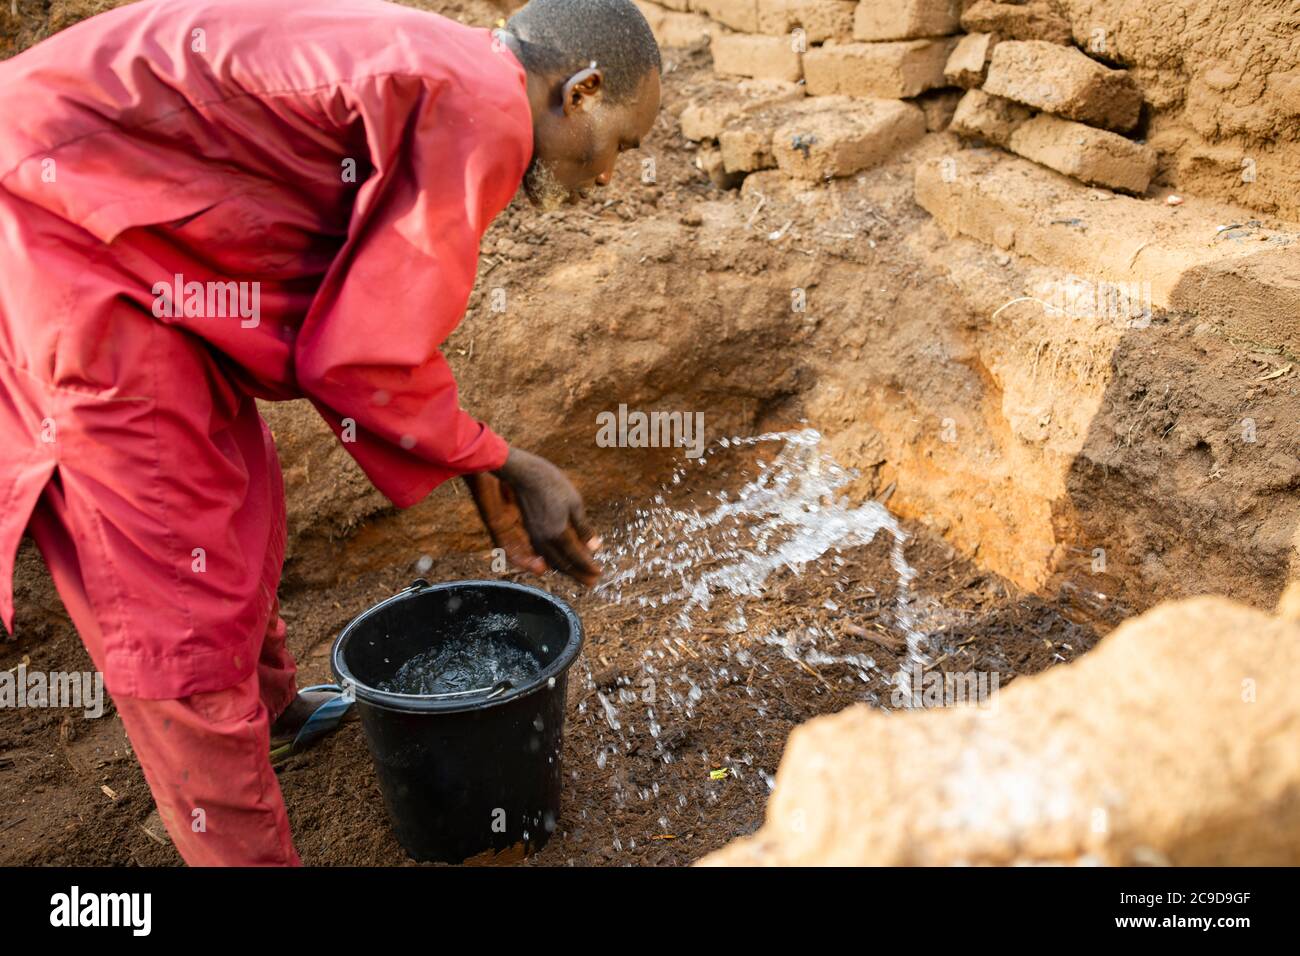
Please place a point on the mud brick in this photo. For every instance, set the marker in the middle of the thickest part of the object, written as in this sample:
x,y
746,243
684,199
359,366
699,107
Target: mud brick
x,y
905,19
685,29
706,117
819,19
673,28
900,69
681,6
746,149
1017,21
1094,156
1235,808
653,13
700,121
740,15
709,161
1062,80
990,118
1248,289
1255,299
769,58
938,107
746,139
840,142
969,62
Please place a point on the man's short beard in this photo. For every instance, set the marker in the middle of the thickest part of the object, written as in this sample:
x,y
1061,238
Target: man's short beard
x,y
541,186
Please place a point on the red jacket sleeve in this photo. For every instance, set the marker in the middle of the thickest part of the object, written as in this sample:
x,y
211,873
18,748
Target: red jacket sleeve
x,y
445,159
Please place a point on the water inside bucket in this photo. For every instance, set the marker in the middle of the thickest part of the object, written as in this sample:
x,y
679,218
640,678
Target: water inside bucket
x,y
475,652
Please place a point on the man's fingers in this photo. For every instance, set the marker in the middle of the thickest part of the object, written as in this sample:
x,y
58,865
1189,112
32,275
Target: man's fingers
x,y
568,554
507,493
552,514
582,565
553,555
520,553
498,506
586,534
578,518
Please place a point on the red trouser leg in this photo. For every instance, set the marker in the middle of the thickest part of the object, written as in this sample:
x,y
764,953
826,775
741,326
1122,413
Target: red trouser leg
x,y
206,757
277,683
207,760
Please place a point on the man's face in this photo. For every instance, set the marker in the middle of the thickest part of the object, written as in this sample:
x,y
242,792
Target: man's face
x,y
578,140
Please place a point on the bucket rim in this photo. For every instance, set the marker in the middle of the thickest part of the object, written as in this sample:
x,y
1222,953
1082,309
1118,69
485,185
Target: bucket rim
x,y
434,704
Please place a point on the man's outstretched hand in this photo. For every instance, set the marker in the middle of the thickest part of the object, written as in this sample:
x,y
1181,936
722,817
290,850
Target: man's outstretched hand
x,y
535,514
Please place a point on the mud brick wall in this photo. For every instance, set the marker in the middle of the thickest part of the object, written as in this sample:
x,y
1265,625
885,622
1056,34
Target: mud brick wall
x,y
1094,89
1029,88
818,88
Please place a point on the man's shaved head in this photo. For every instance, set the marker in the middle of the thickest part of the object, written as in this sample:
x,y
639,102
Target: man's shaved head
x,y
593,74
562,37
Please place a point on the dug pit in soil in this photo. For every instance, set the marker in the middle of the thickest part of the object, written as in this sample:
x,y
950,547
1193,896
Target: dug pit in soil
x,y
677,713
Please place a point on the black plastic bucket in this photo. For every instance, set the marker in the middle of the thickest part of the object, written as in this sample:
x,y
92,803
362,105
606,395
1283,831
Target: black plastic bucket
x,y
471,774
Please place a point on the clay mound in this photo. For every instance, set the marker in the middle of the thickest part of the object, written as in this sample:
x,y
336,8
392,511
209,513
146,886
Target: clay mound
x,y
1173,742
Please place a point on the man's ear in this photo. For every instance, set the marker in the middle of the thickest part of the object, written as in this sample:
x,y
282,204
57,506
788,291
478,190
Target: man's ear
x,y
582,90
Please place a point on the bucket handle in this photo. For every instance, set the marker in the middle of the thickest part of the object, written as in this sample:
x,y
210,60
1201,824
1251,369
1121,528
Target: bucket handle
x,y
497,689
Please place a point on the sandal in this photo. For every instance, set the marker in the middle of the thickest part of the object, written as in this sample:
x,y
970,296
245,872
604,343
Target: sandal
x,y
323,720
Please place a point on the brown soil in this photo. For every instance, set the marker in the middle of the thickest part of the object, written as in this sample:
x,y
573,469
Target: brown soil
x,y
644,803
676,295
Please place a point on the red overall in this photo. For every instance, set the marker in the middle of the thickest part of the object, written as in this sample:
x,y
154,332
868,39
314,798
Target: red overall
x,y
203,202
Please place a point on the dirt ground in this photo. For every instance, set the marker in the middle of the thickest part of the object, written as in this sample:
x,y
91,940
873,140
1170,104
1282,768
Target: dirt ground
x,y
675,294
72,794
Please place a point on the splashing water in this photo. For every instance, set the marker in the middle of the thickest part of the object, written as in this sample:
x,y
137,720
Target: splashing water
x,y
682,557
788,516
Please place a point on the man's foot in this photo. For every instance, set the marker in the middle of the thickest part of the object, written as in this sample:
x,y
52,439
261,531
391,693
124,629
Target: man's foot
x,y
315,711
306,703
